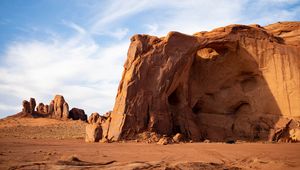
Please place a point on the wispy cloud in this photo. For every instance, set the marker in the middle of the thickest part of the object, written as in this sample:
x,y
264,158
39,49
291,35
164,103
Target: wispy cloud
x,y
74,26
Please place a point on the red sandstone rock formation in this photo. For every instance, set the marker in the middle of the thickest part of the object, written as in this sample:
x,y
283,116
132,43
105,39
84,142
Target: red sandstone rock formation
x,y
61,108
26,107
58,109
32,105
93,130
234,82
77,114
40,108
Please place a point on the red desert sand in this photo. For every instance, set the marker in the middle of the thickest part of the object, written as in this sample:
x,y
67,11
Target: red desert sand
x,y
39,143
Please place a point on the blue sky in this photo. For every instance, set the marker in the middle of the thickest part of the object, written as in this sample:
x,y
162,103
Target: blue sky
x,y
77,47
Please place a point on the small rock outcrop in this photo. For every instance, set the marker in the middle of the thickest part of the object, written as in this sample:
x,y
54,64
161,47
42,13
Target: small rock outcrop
x,y
93,128
93,118
26,107
40,108
232,83
61,108
57,109
165,141
32,104
77,114
178,138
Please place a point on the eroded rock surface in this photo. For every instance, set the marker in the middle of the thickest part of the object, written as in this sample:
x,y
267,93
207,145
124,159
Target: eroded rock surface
x,y
93,129
77,114
57,109
234,82
61,107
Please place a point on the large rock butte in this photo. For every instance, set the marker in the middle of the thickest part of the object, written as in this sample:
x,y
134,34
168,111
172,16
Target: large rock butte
x,y
234,82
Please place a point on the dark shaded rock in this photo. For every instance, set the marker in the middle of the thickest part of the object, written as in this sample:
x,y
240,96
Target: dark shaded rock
x,y
40,108
32,104
26,106
77,114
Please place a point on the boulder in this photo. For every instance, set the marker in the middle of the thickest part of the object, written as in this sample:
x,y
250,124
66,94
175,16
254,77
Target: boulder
x,y
93,132
148,137
164,141
178,138
94,128
233,82
206,141
93,118
77,114
295,134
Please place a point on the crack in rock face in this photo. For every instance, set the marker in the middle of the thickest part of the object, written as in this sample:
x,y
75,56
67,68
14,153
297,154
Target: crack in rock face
x,y
234,82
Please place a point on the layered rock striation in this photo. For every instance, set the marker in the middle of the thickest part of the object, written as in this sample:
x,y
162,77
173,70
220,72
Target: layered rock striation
x,y
234,82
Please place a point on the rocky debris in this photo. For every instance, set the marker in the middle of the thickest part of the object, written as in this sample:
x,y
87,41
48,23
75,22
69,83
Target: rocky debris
x,y
206,141
232,82
165,141
178,138
148,137
77,114
288,130
295,134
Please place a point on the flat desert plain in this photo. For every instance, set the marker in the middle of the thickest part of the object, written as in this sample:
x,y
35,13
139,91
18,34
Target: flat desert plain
x,y
28,143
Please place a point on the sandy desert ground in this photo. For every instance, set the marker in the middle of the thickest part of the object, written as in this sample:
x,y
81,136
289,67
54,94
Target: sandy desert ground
x,y
29,143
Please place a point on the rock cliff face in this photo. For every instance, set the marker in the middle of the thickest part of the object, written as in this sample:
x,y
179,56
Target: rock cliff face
x,y
234,82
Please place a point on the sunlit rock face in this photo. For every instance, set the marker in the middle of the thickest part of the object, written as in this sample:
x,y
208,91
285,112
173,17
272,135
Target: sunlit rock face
x,y
234,82
57,109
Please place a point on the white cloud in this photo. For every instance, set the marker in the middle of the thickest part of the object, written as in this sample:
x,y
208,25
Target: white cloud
x,y
9,107
77,67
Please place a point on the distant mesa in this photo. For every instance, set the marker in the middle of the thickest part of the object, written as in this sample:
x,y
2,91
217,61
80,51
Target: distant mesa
x,y
57,109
